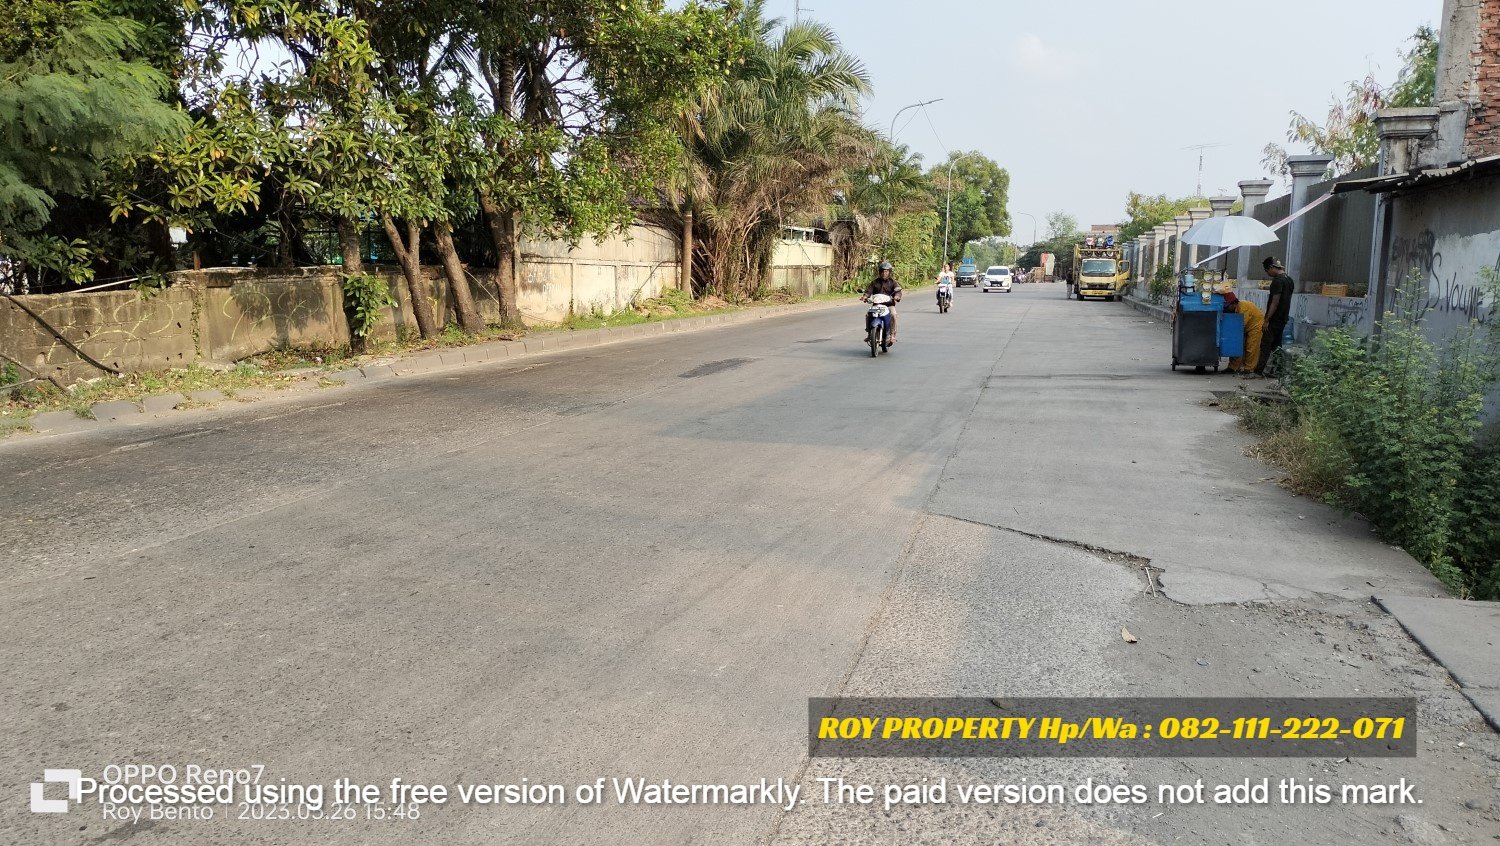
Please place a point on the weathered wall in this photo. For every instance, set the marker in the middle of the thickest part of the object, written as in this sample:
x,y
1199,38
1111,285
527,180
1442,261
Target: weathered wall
x,y
226,314
1482,136
1336,237
558,280
120,329
803,267
249,310
1311,312
1447,236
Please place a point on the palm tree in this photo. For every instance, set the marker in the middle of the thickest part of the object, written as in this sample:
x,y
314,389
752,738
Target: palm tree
x,y
773,140
890,184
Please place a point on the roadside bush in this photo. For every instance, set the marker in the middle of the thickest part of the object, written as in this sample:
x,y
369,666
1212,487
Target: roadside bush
x,y
1401,414
1476,542
1313,457
1162,284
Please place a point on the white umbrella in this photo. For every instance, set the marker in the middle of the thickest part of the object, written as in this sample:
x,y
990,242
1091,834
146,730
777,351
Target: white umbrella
x,y
1231,232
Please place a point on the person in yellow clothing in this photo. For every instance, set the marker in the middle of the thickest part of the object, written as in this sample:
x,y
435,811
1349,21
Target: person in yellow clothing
x,y
1255,323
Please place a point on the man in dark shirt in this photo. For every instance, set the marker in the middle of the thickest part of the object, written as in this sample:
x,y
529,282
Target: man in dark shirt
x,y
885,283
1278,312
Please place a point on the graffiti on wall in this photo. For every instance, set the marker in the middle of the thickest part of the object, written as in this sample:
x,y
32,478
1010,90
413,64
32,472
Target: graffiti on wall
x,y
1447,293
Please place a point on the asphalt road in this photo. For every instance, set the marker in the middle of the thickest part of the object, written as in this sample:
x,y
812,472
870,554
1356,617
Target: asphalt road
x,y
642,559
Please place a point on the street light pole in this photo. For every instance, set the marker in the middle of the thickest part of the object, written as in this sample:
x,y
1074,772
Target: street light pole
x,y
948,213
1033,226
892,136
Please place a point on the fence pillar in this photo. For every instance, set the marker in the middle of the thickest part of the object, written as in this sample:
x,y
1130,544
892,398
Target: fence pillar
x,y
1253,191
1195,217
1306,172
1220,207
1179,224
1401,132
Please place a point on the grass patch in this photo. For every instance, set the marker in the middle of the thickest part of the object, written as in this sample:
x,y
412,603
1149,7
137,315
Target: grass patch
x,y
41,397
1290,442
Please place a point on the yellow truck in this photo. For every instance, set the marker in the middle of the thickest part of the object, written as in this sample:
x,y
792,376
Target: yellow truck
x,y
1099,272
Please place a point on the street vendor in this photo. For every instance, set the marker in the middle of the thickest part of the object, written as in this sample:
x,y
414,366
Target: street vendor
x,y
1255,323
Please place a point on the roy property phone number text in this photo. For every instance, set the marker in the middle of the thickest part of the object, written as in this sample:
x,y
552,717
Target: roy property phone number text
x,y
1063,731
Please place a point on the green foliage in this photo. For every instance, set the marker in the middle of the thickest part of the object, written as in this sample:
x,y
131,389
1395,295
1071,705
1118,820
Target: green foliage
x,y
1402,412
769,143
990,251
1062,235
1162,284
1143,212
366,298
71,106
980,192
910,249
1348,133
573,150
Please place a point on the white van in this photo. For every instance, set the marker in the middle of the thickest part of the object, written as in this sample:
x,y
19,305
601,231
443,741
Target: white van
x,y
997,279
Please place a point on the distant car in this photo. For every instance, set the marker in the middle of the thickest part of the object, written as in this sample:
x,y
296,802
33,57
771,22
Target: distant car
x,y
968,274
997,279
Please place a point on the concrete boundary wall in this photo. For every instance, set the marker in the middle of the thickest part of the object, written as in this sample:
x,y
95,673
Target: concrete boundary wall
x,y
223,315
802,267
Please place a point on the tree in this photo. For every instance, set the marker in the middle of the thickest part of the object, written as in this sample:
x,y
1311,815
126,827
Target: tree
x,y
991,251
774,140
1063,235
1061,225
582,96
980,192
1348,133
1143,212
878,192
71,105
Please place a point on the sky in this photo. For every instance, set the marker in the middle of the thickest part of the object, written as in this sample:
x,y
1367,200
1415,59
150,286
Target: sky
x,y
1083,101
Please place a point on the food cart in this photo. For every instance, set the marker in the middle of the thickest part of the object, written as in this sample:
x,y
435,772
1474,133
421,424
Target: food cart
x,y
1203,334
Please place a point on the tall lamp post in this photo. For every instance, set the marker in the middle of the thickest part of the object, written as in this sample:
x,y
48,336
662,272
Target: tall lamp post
x,y
1033,226
892,136
948,212
905,108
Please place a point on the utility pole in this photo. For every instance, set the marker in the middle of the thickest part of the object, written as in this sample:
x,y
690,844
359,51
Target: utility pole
x,y
1200,148
1033,227
948,214
892,135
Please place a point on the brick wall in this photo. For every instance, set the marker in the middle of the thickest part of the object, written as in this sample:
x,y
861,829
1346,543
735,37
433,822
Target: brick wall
x,y
1482,137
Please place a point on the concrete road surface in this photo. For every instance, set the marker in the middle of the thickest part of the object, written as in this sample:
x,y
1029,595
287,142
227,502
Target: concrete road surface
x,y
641,560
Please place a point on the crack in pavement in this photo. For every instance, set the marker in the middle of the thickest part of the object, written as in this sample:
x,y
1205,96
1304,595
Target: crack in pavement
x,y
1149,572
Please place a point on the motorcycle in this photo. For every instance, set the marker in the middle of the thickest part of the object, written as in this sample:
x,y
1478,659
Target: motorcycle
x,y
878,324
944,296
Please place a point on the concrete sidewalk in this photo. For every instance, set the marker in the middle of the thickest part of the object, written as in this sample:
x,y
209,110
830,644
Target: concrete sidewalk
x,y
1464,637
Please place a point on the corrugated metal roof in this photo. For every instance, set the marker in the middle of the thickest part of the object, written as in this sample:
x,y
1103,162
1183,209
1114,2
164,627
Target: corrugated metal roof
x,y
1422,178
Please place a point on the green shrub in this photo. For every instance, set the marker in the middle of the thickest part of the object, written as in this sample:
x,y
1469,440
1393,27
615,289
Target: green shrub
x,y
1476,537
366,296
1162,284
1401,413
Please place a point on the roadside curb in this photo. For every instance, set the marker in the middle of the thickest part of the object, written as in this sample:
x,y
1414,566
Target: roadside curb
x,y
1463,637
1159,312
132,412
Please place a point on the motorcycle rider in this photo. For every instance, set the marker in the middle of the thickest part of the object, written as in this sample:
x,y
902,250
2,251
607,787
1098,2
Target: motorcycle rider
x,y
945,283
885,283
